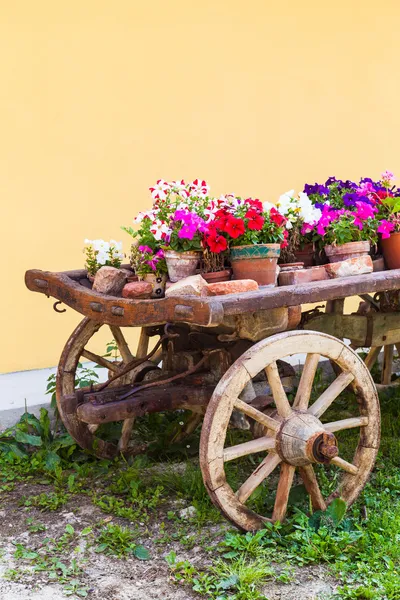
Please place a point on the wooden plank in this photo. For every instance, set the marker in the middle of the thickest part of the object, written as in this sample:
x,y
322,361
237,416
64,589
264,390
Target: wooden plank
x,y
201,311
387,364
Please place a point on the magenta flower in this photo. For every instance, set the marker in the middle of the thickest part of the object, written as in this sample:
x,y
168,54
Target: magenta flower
x,y
145,249
385,228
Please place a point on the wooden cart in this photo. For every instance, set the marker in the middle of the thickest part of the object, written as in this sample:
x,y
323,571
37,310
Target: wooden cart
x,y
223,357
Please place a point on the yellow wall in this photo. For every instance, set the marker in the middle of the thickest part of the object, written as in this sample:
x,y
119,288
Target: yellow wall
x,y
99,99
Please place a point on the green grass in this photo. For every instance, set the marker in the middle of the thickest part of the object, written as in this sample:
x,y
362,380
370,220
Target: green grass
x,y
361,549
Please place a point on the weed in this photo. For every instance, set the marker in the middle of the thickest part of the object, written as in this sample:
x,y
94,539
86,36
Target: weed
x,y
119,541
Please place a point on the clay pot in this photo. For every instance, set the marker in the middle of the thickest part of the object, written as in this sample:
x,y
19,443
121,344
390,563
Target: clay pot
x,y
256,261
217,276
158,283
291,266
391,251
306,255
181,264
345,251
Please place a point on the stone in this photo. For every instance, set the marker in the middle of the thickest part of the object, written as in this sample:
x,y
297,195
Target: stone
x,y
291,277
238,286
109,280
194,285
137,289
352,266
188,513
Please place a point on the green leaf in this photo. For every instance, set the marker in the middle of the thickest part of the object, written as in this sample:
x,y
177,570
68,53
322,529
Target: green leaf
x,y
51,460
86,531
336,510
45,423
230,582
141,553
101,548
69,529
27,438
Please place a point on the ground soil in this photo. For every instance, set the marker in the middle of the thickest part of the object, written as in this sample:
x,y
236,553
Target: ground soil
x,y
110,578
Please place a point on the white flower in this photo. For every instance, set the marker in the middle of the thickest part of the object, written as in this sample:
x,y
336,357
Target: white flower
x,y
160,230
116,245
289,225
159,191
102,258
286,202
142,215
88,241
267,206
199,188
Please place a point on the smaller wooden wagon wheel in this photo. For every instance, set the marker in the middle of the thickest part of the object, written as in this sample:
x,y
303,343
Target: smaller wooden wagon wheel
x,y
295,436
75,349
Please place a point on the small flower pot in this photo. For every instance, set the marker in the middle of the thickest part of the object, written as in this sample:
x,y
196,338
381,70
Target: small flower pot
x,y
291,266
181,264
346,251
391,251
256,261
306,255
217,276
158,282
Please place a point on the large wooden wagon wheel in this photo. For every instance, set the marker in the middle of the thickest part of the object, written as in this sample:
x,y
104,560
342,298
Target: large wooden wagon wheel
x,y
295,435
75,349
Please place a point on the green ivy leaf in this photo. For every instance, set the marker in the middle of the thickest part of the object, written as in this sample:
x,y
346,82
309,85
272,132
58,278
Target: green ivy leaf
x,y
28,438
141,553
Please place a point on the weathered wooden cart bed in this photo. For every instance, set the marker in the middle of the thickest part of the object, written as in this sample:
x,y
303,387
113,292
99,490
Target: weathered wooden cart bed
x,y
223,356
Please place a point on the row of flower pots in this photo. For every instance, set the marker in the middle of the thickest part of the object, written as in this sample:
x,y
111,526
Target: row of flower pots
x,y
186,229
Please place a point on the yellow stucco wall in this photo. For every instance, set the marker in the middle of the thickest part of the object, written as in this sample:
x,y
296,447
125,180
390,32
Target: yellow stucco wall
x,y
99,99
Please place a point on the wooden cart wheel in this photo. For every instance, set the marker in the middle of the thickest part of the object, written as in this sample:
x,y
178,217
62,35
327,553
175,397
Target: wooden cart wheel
x,y
295,436
74,350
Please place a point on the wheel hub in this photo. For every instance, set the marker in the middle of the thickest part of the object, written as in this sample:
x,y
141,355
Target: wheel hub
x,y
302,439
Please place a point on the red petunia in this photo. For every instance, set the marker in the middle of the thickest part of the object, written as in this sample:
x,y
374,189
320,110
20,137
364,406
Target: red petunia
x,y
284,244
217,243
255,220
276,217
234,227
255,203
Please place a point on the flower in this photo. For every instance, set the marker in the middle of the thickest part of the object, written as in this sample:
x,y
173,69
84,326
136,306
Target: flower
x,y
255,220
216,242
234,227
387,177
159,191
160,230
285,202
199,188
276,217
385,228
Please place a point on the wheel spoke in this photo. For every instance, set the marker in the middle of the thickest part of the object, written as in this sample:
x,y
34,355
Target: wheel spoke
x,y
343,464
123,347
127,427
330,394
279,394
264,469
387,364
143,344
306,382
282,492
346,424
100,360
372,356
311,484
257,445
257,415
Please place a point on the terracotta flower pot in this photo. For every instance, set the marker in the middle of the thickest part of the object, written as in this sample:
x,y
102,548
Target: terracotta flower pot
x,y
391,251
181,264
345,251
256,261
217,276
157,281
291,266
306,255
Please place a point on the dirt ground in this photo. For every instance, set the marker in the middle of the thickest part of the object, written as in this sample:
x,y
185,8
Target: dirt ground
x,y
109,578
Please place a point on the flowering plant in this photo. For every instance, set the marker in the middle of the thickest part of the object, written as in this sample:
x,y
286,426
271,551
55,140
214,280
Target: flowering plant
x,y
239,222
299,211
100,253
389,209
176,218
145,260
